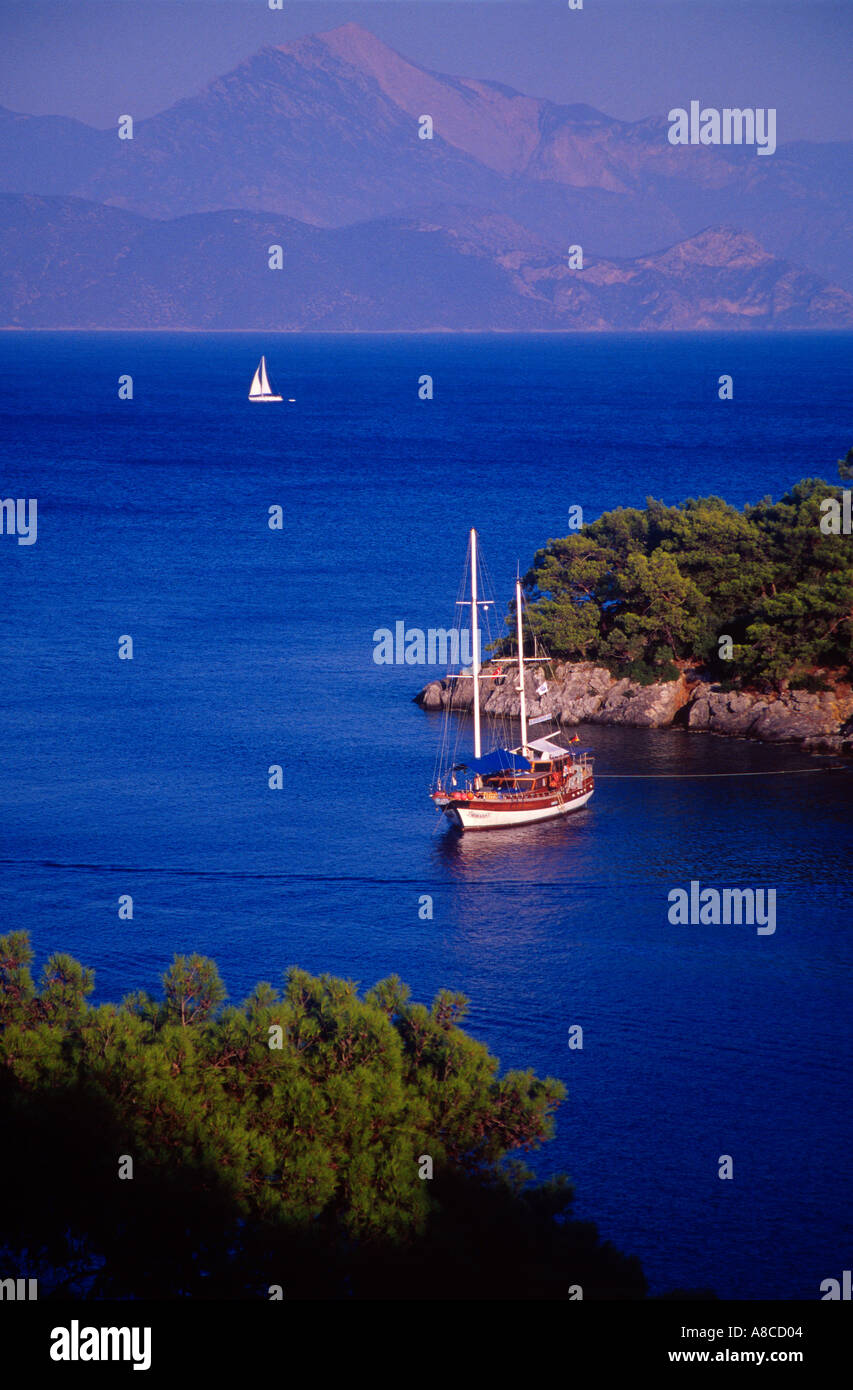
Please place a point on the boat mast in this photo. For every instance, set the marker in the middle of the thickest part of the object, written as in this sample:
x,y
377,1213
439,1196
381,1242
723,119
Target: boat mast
x,y
474,643
521,666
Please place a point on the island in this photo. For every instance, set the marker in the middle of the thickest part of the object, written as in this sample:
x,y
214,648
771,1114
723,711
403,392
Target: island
x,y
719,620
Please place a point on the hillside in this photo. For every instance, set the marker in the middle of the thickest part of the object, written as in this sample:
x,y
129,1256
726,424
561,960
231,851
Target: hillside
x,y
70,263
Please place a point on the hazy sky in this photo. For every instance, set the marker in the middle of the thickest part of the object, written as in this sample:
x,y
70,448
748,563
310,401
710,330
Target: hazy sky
x,y
96,59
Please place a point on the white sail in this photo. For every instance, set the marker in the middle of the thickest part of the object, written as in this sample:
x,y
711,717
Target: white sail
x,y
260,389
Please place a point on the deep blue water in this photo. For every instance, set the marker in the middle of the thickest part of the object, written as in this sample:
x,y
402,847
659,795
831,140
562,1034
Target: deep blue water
x,y
255,647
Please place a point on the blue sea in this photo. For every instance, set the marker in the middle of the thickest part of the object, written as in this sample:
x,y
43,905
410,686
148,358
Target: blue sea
x,y
254,647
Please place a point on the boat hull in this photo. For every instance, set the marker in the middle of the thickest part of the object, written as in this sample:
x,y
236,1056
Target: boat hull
x,y
480,813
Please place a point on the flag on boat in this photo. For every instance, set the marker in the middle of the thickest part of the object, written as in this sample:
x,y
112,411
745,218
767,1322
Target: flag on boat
x,y
575,738
542,689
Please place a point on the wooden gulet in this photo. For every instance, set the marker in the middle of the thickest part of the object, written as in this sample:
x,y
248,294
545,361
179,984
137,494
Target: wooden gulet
x,y
538,780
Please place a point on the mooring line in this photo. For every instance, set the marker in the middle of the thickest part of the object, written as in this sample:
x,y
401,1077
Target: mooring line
x,y
683,776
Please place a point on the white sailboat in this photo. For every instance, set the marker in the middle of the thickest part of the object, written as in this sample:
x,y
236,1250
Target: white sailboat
x,y
260,388
537,780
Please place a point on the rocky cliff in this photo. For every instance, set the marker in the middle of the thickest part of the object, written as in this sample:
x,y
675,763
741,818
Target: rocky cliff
x,y
583,693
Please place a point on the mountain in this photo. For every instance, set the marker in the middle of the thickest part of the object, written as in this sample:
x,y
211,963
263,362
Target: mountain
x,y
323,132
71,263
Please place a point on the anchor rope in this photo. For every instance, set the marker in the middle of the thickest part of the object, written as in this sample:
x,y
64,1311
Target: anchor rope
x,y
682,776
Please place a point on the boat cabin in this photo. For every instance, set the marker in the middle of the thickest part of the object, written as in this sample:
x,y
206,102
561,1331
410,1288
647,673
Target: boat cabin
x,y
537,767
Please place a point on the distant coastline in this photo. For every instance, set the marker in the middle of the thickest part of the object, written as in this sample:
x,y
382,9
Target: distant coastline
x,y
510,213
814,330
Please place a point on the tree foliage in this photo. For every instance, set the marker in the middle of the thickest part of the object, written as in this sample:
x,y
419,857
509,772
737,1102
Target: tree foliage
x,y
278,1142
639,590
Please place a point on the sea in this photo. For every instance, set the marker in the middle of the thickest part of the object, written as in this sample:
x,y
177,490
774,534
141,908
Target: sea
x,y
706,1049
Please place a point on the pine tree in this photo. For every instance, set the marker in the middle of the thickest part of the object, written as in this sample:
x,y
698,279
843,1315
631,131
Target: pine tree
x,y
253,1162
644,591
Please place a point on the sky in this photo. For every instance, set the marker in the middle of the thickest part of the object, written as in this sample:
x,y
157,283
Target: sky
x,y
97,59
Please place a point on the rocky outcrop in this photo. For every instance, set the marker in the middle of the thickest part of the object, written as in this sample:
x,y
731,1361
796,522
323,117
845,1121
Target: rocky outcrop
x,y
718,712
796,715
583,693
576,693
643,706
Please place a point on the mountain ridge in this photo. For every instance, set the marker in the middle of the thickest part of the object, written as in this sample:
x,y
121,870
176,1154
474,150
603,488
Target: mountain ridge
x,y
323,131
77,264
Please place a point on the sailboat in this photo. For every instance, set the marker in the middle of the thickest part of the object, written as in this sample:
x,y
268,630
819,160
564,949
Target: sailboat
x,y
260,387
534,781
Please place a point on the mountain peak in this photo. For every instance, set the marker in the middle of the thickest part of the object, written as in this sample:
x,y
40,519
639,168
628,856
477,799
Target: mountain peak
x,y
354,44
351,43
350,33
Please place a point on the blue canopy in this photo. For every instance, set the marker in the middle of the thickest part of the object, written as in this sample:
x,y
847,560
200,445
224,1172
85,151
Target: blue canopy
x,y
499,760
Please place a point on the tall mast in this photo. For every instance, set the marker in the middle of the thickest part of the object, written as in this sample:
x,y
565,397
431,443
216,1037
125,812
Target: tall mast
x,y
521,666
474,643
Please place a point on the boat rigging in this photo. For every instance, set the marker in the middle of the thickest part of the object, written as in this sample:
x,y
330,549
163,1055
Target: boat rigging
x,y
536,780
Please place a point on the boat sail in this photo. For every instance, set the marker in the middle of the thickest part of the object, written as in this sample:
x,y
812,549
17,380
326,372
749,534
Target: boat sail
x,y
537,780
260,388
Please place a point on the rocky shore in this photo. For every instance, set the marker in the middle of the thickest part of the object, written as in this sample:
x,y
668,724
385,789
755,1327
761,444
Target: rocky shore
x,y
580,692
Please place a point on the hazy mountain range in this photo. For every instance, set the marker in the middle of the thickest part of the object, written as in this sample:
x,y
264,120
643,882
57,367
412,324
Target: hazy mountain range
x,y
314,146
